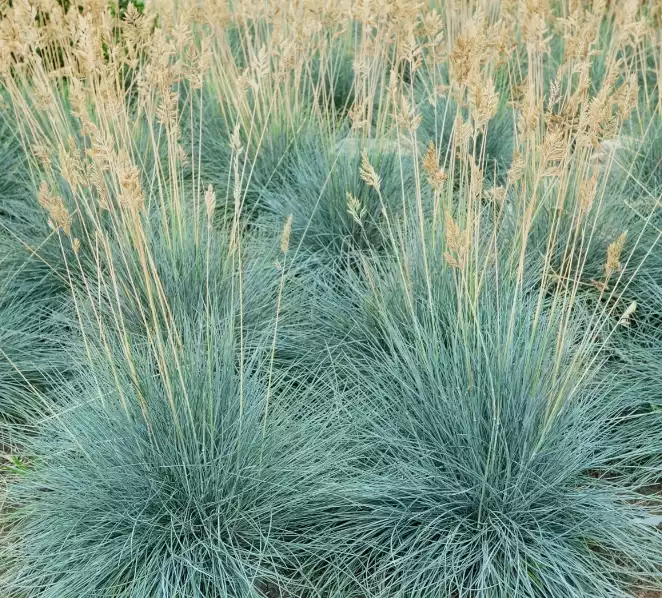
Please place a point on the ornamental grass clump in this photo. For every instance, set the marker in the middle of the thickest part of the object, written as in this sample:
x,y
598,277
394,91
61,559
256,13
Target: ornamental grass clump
x,y
511,458
171,475
343,299
33,341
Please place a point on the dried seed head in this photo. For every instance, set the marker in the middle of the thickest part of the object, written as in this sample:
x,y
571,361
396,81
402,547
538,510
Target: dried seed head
x,y
285,237
483,99
529,116
411,52
210,203
626,96
368,173
97,182
355,210
131,195
358,118
407,116
200,63
361,67
587,191
70,165
42,154
517,168
430,158
461,60
181,154
453,253
496,194
614,251
288,55
553,151
166,112
235,140
477,180
532,19
432,24
260,65
436,176
555,90
59,217
243,81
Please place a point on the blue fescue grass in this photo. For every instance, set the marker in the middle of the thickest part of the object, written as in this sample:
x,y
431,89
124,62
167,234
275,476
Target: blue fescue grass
x,y
139,497
181,465
334,211
493,148
627,203
33,320
507,461
32,359
332,374
263,167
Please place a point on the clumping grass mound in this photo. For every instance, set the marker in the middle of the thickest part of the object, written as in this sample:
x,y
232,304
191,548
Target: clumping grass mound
x,y
503,463
33,341
176,467
330,299
168,487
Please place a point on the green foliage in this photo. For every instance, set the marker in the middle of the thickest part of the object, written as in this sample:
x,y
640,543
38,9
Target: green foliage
x,y
188,492
310,379
333,210
33,324
503,464
206,477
